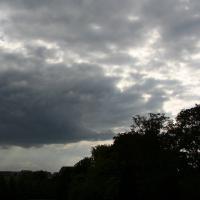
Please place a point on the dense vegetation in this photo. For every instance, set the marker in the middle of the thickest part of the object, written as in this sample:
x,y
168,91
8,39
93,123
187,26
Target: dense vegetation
x,y
158,158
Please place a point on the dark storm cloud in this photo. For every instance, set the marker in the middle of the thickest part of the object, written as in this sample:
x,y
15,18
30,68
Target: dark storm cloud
x,y
54,103
47,105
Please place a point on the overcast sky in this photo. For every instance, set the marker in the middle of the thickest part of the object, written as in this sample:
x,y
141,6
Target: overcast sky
x,y
74,72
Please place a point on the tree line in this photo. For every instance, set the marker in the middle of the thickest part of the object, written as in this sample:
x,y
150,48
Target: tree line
x,y
158,158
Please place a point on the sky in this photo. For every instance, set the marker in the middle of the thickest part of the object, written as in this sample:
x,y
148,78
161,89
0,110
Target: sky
x,y
74,72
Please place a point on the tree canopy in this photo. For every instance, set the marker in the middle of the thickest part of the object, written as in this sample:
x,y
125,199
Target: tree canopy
x,y
158,158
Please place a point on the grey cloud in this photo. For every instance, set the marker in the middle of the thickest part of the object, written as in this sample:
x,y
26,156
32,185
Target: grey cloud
x,y
69,22
178,23
47,105
43,103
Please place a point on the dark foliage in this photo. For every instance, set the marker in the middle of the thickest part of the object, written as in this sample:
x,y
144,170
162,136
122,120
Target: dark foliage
x,y
158,158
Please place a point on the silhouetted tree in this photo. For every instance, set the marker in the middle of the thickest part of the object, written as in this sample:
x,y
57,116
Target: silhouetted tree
x,y
158,158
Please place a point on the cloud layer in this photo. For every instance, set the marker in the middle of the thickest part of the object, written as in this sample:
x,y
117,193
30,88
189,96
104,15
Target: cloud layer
x,y
74,70
46,104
